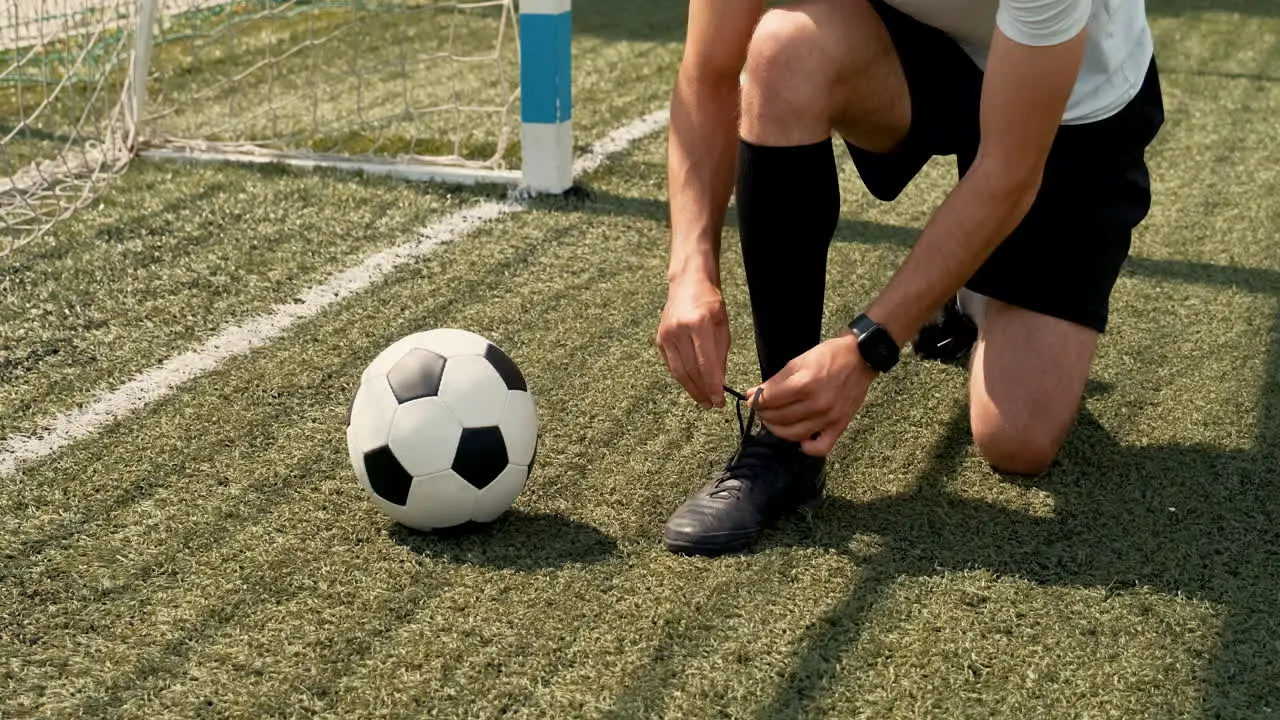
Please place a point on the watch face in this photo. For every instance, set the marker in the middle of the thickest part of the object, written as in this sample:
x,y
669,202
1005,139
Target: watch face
x,y
879,358
878,350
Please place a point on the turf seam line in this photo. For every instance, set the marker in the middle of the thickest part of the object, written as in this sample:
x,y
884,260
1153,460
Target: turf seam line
x,y
159,381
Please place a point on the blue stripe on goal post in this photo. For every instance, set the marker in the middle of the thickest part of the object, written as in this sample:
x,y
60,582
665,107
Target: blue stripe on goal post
x,y
546,95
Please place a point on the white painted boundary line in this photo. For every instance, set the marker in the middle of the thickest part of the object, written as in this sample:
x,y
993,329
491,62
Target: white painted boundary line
x,y
159,381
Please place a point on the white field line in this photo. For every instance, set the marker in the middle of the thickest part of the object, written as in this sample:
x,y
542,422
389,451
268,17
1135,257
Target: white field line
x,y
159,381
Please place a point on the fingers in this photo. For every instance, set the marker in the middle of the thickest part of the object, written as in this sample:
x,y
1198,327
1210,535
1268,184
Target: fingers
x,y
821,444
682,363
817,436
721,342
709,367
695,350
674,365
787,387
793,410
796,412
800,430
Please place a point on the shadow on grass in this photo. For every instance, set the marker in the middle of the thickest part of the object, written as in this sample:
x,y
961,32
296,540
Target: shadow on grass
x,y
1183,520
597,202
516,541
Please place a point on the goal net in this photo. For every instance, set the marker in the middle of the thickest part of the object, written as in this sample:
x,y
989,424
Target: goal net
x,y
63,71
451,90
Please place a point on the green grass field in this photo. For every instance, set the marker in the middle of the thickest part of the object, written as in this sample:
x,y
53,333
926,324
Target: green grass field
x,y
213,555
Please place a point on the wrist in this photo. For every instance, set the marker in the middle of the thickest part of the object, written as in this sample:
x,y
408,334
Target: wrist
x,y
898,321
848,343
877,348
693,265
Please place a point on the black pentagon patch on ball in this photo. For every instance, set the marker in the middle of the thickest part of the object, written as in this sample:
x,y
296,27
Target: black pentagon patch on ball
x,y
416,375
388,478
506,367
481,456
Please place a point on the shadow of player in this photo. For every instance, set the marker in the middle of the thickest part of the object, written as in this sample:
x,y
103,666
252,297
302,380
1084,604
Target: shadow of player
x,y
1182,520
1194,521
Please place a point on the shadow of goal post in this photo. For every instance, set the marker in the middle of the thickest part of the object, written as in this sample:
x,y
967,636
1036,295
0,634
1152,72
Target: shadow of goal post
x,y
546,113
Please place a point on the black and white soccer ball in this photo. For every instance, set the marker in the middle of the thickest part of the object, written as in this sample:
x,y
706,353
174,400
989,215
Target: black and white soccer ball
x,y
443,430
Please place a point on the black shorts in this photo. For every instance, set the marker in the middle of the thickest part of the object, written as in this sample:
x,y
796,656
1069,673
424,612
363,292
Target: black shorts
x,y
1064,257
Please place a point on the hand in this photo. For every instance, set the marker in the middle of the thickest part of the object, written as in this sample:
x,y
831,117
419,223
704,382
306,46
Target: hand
x,y
693,337
813,399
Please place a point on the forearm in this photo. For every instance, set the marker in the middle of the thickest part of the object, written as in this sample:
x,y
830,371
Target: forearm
x,y
976,216
701,161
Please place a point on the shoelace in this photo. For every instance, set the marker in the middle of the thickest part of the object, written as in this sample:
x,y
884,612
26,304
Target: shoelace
x,y
743,458
744,427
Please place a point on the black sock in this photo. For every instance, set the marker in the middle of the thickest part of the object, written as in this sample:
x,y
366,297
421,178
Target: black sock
x,y
788,204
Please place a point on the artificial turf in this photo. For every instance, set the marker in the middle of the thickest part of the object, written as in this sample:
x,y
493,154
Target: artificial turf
x,y
213,556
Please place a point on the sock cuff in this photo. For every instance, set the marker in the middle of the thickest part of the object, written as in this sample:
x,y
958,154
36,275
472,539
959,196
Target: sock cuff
x,y
818,143
782,151
785,172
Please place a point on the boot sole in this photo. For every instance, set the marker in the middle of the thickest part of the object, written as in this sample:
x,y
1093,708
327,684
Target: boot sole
x,y
736,542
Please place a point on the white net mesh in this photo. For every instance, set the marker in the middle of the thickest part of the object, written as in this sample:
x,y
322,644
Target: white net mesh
x,y
413,79
422,82
63,131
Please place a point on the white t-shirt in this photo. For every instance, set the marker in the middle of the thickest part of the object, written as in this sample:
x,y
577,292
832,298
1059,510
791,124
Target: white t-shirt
x,y
1118,45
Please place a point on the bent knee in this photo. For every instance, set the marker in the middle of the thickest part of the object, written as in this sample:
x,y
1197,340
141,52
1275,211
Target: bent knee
x,y
1018,448
788,64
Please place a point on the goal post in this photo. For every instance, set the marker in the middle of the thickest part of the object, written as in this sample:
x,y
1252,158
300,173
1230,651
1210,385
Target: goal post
x,y
139,65
546,95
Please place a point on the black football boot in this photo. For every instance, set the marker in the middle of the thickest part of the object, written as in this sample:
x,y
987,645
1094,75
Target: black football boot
x,y
765,479
948,337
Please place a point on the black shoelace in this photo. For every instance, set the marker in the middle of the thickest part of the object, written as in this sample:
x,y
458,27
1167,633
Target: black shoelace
x,y
753,452
744,428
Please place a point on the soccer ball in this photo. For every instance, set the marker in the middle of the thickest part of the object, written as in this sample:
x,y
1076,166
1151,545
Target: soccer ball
x,y
442,430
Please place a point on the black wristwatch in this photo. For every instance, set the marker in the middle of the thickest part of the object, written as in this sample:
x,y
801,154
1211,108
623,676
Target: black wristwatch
x,y
875,344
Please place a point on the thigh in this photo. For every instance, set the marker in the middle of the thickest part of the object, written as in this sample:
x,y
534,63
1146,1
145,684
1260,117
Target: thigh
x,y
944,89
1028,376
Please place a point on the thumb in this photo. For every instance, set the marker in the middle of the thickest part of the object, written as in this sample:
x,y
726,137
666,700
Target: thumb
x,y
769,388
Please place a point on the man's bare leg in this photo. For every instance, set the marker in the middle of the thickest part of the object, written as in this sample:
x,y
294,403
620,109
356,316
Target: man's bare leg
x,y
811,69
1028,376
